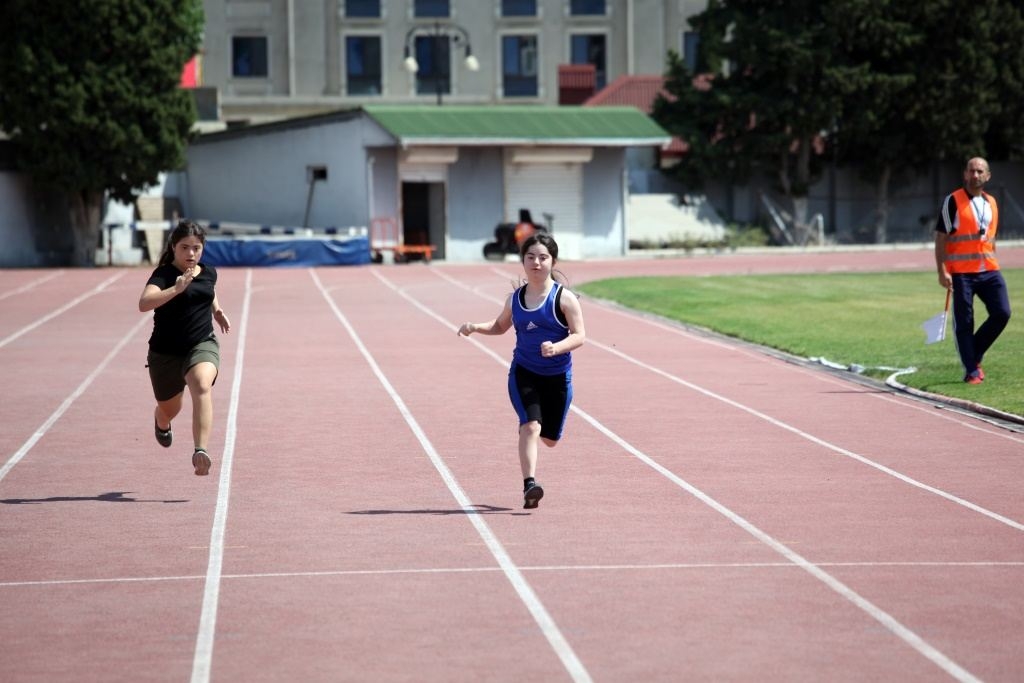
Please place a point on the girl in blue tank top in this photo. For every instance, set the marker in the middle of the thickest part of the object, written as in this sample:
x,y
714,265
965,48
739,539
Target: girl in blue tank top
x,y
548,321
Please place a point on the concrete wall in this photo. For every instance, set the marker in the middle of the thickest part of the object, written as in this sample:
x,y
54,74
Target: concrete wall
x,y
475,202
603,204
386,199
17,221
34,224
914,201
261,176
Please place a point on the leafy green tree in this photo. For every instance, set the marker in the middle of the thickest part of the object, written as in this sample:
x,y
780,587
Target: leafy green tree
x,y
89,97
945,57
775,83
893,86
1005,136
881,126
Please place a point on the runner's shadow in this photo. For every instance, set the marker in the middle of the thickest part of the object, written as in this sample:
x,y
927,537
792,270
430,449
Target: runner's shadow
x,y
474,510
111,497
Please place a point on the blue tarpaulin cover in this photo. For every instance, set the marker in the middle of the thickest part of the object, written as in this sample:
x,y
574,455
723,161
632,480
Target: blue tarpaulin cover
x,y
287,252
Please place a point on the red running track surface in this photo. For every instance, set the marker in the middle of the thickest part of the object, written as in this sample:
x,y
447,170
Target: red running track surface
x,y
713,513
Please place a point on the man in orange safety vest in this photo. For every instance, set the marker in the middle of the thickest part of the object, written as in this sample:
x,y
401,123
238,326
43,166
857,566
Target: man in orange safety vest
x,y
965,257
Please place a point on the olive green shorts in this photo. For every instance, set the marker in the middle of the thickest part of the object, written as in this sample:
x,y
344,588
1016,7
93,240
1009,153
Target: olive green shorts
x,y
167,372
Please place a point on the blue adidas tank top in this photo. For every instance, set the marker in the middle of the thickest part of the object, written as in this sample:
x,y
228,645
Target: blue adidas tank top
x,y
534,326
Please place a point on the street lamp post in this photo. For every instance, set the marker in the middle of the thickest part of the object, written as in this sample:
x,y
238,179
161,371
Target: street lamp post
x,y
438,32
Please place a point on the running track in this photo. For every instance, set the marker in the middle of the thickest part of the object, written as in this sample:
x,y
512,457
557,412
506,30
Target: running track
x,y
713,513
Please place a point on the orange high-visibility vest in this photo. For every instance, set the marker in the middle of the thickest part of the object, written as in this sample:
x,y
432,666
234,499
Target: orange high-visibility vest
x,y
967,250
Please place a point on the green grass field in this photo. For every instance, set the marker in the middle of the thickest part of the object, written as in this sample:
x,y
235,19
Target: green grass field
x,y
869,319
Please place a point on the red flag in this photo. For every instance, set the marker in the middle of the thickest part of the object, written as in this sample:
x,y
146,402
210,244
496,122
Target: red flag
x,y
191,74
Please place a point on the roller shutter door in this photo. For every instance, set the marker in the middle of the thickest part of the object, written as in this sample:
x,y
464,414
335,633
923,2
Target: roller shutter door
x,y
556,189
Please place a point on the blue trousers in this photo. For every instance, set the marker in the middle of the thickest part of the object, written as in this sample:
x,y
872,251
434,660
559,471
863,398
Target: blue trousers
x,y
990,288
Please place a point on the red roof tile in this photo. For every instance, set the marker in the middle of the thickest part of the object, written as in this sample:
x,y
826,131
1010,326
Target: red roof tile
x,y
636,91
639,92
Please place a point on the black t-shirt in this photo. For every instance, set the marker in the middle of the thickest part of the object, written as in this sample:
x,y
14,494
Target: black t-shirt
x,y
187,319
946,213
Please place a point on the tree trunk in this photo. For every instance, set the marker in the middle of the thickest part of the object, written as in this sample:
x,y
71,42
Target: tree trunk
x,y
796,191
801,229
86,208
787,187
882,207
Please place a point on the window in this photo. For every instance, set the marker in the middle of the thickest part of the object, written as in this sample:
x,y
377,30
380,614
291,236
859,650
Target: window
x,y
583,7
691,47
362,8
433,54
519,66
249,57
430,8
362,65
589,49
518,8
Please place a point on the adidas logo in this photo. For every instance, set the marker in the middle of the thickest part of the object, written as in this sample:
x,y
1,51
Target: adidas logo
x,y
531,326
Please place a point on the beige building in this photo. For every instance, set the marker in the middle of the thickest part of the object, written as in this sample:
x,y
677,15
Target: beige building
x,y
272,59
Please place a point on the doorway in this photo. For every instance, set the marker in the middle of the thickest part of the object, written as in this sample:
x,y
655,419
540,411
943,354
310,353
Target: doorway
x,y
423,215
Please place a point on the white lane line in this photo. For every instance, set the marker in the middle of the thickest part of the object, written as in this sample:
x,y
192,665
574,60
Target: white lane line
x,y
69,305
31,285
689,566
787,427
547,624
650,318
902,399
72,397
878,614
78,582
977,423
202,660
815,440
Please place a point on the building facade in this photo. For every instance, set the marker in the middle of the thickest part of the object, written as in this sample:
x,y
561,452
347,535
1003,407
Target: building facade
x,y
438,176
274,59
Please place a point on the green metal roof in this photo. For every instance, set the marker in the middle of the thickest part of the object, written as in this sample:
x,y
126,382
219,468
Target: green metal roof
x,y
518,125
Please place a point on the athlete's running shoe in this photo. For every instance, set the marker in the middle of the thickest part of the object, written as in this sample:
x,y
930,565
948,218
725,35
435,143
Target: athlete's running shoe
x,y
532,496
163,436
974,378
201,461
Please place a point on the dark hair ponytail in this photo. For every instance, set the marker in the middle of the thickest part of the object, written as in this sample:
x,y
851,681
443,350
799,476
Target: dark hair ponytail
x,y
185,228
548,242
542,238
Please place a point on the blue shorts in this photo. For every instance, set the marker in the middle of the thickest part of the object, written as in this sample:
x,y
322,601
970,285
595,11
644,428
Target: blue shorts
x,y
541,398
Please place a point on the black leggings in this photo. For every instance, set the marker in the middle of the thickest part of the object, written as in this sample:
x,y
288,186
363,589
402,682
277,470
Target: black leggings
x,y
541,398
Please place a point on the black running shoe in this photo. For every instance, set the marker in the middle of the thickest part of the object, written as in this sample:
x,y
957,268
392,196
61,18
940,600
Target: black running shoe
x,y
201,461
532,496
163,437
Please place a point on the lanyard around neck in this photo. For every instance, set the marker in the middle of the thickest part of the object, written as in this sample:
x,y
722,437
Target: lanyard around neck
x,y
980,212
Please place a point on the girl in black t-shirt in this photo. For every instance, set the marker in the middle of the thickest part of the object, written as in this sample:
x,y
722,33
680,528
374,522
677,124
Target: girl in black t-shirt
x,y
183,349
